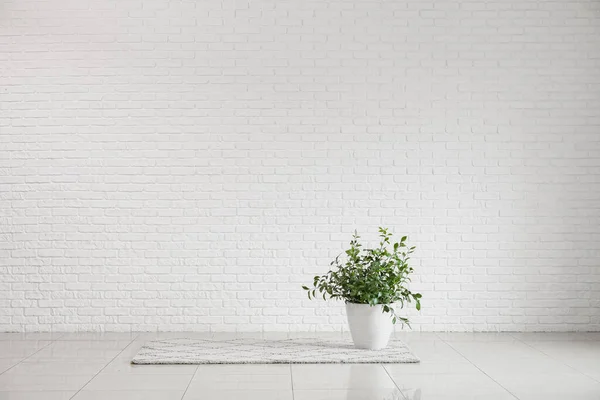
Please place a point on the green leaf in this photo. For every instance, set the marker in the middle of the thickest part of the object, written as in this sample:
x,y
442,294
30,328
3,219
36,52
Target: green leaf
x,y
370,276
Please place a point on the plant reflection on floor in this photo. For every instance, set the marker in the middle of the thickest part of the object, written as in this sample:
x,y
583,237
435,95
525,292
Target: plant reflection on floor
x,y
412,394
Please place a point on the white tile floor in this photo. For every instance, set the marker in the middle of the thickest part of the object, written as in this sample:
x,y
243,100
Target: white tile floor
x,y
90,366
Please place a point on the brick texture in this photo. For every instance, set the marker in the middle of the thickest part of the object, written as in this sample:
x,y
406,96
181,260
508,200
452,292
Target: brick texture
x,y
187,165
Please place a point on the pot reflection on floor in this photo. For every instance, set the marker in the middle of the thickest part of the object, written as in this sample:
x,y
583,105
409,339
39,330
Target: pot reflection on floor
x,y
376,394
368,383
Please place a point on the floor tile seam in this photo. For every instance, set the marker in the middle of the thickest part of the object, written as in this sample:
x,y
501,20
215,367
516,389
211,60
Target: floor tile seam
x,y
103,368
190,382
476,366
292,382
557,360
60,338
394,381
29,356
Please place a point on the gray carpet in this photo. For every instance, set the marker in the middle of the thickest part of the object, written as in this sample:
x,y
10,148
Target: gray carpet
x,y
263,351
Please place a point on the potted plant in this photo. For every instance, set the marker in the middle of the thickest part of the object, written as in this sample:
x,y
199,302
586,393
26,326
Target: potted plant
x,y
373,282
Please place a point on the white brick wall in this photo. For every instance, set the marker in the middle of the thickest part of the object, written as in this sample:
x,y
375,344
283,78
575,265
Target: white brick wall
x,y
187,165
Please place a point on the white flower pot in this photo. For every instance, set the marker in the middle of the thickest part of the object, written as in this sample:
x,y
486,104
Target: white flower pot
x,y
370,326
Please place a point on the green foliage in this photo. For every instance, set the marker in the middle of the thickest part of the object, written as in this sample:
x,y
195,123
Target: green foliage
x,y
370,276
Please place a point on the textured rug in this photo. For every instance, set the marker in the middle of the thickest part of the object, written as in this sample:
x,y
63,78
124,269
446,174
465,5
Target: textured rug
x,y
262,351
